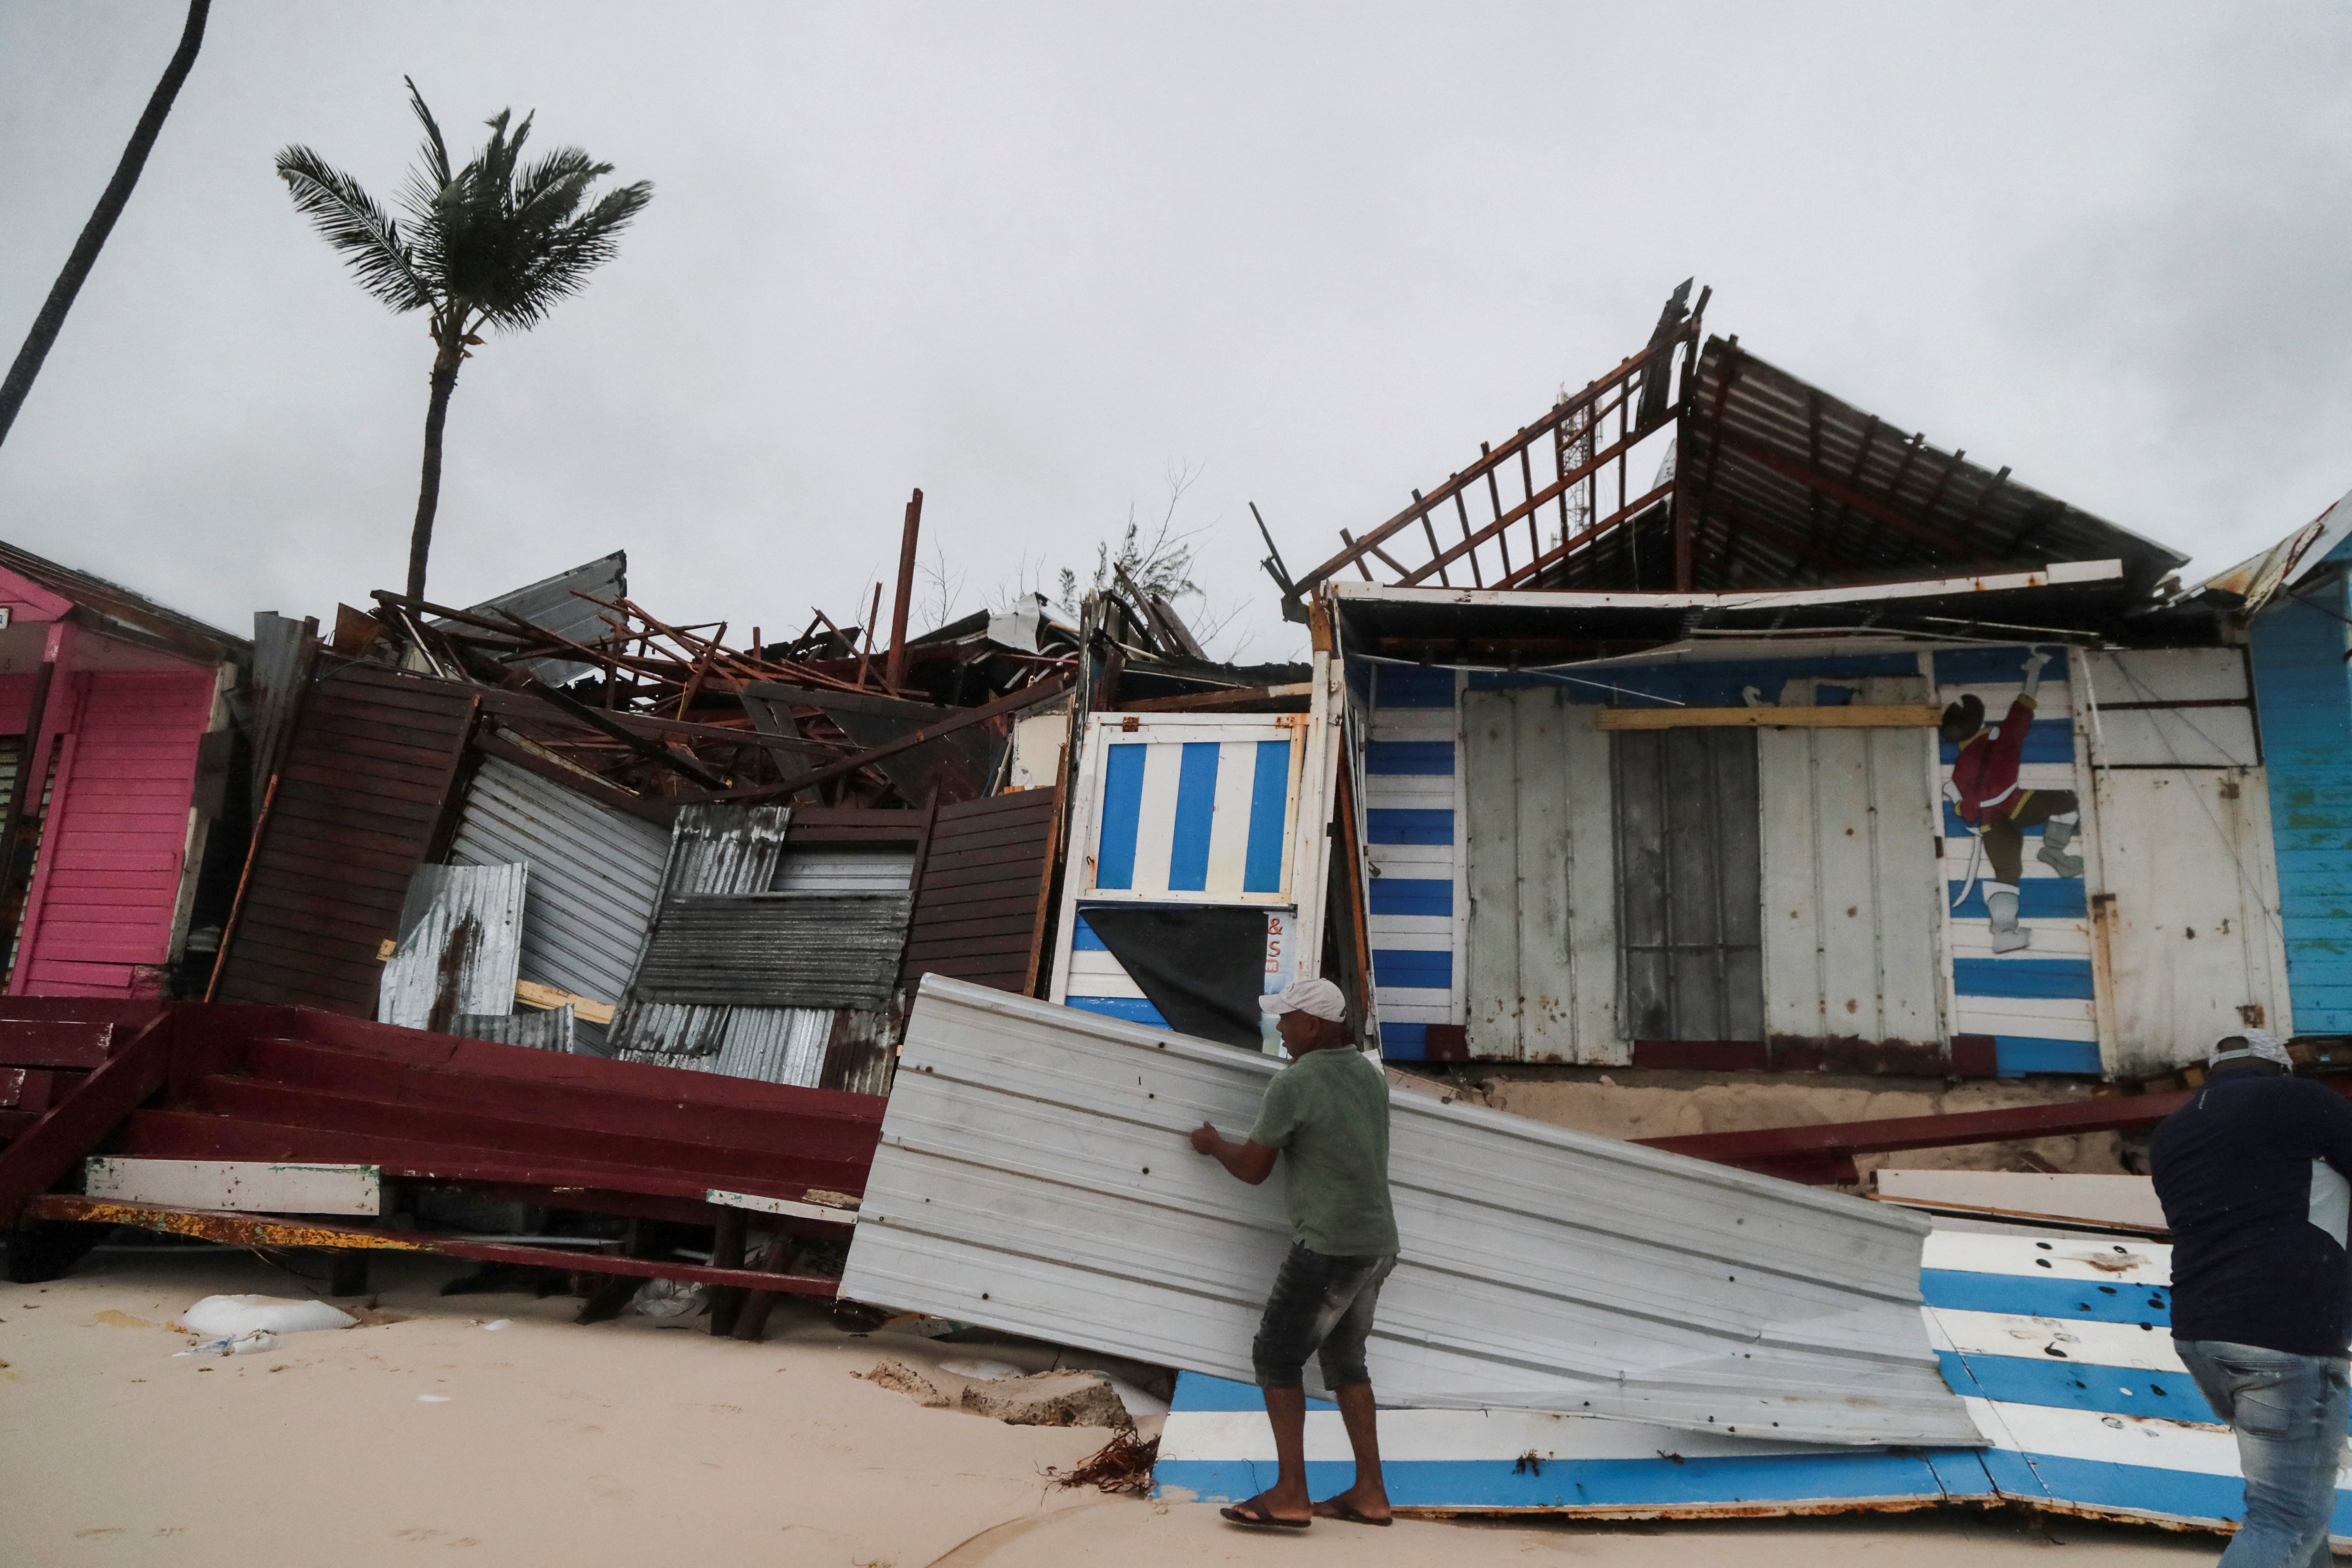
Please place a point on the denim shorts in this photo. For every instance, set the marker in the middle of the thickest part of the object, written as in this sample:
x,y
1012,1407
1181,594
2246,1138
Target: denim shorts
x,y
1321,1306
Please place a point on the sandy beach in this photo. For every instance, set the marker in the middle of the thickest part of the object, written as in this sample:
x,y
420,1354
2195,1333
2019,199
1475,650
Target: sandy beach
x,y
632,1442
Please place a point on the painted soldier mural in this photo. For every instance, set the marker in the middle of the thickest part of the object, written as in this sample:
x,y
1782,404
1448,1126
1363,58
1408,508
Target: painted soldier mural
x,y
1985,793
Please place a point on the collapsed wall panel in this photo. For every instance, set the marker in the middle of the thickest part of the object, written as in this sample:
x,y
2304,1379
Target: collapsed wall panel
x,y
980,913
1035,1177
350,816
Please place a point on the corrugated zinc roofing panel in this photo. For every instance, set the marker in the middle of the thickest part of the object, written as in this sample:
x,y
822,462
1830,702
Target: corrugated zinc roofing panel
x,y
460,940
596,874
775,950
1033,1176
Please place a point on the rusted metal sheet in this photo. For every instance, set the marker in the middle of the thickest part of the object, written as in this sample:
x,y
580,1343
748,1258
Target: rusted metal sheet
x,y
713,849
350,814
980,913
774,950
460,943
739,853
596,874
2254,582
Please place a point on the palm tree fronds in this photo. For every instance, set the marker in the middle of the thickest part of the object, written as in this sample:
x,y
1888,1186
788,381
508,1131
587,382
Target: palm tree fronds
x,y
564,261
436,151
349,219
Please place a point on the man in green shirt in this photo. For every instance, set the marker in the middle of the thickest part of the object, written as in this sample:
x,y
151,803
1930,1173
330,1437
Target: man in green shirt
x,y
1329,1108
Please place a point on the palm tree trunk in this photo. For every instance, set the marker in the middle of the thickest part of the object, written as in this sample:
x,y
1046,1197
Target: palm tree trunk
x,y
111,204
428,493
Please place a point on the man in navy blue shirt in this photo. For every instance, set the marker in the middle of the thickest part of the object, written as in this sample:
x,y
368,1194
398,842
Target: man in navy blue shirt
x,y
2252,1176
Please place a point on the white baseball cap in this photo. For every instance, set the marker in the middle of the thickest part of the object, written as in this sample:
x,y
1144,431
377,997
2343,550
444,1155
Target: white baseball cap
x,y
1319,997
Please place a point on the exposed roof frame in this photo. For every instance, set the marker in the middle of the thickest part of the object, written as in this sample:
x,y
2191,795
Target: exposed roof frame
x,y
2059,574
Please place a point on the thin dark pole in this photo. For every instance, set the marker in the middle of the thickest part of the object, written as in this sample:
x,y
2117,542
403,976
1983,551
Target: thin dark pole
x,y
894,674
52,319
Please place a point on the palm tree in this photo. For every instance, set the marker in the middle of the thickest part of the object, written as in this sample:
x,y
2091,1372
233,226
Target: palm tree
x,y
496,243
111,203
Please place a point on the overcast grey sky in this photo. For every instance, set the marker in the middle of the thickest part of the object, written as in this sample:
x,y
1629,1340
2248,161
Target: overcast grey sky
x,y
1032,258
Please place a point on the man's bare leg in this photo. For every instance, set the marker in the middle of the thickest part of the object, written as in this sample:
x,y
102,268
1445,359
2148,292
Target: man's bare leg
x,y
1286,1410
1369,1496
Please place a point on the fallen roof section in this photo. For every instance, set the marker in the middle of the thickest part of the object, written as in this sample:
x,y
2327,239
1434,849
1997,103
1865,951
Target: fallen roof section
x,y
2060,1343
1033,1176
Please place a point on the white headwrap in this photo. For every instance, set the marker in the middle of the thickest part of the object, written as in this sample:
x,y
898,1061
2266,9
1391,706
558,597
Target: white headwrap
x,y
2239,1045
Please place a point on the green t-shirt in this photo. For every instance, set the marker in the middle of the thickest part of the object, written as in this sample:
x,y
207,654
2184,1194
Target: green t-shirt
x,y
1330,1109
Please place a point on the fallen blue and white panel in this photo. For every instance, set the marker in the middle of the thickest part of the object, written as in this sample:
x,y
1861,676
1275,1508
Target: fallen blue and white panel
x,y
2060,1348
1217,1447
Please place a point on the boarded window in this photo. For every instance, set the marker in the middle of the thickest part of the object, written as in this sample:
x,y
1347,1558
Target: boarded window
x,y
1542,983
1689,884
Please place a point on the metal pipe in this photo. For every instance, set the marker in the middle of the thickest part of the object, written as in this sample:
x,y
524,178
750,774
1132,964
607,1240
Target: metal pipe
x,y
894,672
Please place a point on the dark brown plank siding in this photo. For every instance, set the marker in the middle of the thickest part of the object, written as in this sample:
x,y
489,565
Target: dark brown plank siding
x,y
982,896
360,789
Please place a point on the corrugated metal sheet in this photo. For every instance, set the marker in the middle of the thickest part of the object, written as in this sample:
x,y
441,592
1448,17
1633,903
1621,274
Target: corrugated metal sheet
x,y
2258,579
1689,892
1753,428
360,792
553,603
2306,690
1033,1176
596,874
713,850
460,943
283,651
1853,923
2056,1339
555,1029
775,950
739,851
980,913
844,869
1542,879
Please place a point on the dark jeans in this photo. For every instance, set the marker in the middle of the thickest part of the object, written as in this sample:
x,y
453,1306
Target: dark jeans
x,y
2289,1413
1321,1306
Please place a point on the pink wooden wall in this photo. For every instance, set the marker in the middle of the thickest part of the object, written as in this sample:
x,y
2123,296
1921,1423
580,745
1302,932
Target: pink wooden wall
x,y
108,881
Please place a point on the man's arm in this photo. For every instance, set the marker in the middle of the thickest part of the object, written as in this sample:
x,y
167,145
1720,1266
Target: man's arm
x,y
1251,1163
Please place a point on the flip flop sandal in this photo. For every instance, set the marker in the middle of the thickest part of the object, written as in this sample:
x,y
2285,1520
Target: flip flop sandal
x,y
1255,1517
1341,1511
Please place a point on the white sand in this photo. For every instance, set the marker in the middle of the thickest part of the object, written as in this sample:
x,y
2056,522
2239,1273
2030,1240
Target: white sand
x,y
630,1443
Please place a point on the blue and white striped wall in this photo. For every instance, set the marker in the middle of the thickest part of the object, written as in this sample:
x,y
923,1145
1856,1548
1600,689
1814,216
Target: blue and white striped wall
x,y
2060,1349
1181,821
2038,1003
1412,813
